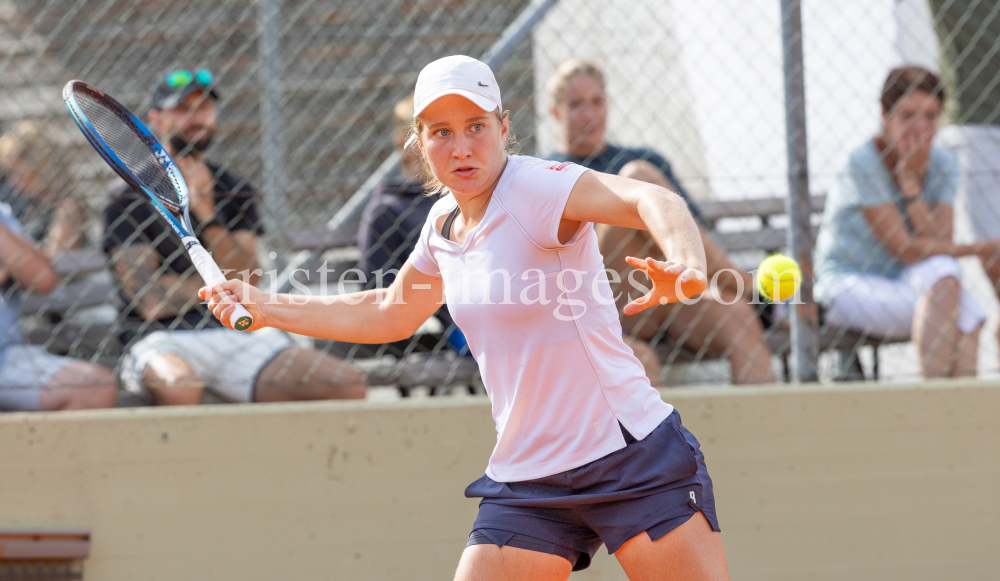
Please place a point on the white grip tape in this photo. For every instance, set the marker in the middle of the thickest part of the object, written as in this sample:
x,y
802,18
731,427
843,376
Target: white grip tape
x,y
241,319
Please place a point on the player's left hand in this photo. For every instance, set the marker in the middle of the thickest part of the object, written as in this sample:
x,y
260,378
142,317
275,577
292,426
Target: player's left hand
x,y
672,283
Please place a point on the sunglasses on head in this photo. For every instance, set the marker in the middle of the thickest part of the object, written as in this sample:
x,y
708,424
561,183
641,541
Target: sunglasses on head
x,y
181,78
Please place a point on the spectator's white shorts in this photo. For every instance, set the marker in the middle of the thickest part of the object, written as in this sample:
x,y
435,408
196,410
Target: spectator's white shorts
x,y
885,306
24,371
227,361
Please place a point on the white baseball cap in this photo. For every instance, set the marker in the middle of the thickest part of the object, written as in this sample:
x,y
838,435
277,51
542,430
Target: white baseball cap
x,y
457,75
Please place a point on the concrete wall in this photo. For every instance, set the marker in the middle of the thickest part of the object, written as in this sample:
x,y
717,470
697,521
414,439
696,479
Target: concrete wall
x,y
843,482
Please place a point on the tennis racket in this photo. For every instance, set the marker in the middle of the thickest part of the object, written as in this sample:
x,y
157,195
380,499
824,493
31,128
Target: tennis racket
x,y
135,154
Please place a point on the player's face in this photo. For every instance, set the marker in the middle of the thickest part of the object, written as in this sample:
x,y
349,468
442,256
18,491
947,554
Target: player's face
x,y
913,120
463,144
193,120
582,116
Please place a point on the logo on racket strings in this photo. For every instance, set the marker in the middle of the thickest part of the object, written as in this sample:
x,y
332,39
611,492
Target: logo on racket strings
x,y
163,158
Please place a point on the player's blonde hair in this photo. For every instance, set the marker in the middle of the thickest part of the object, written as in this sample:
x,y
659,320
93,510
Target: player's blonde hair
x,y
44,150
431,183
566,73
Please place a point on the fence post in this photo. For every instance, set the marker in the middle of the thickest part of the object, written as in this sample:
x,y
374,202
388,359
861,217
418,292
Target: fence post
x,y
804,323
273,146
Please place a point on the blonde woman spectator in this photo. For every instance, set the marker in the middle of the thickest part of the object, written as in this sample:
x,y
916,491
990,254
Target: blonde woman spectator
x,y
38,185
580,106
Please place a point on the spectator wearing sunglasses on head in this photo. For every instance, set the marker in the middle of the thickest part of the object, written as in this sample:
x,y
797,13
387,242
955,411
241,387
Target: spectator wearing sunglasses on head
x,y
181,354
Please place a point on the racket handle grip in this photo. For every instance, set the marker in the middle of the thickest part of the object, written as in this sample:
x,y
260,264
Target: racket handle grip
x,y
240,319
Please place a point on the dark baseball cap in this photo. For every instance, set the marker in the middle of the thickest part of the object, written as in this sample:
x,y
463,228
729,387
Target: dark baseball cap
x,y
176,85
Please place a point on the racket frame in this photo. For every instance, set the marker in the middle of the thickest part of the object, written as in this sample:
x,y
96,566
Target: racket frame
x,y
182,227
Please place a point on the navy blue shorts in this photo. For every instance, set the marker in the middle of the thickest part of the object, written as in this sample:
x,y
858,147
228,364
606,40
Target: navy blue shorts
x,y
652,486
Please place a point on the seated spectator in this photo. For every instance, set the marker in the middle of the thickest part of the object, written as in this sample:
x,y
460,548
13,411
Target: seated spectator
x,y
183,352
393,217
397,210
31,379
885,260
39,189
580,106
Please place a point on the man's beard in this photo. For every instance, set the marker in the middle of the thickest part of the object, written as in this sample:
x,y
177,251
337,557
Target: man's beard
x,y
184,147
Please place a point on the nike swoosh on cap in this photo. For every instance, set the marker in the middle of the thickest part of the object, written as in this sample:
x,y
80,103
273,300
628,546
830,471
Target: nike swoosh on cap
x,y
482,84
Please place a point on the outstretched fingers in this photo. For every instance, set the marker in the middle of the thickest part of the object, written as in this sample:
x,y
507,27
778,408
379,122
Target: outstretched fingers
x,y
672,282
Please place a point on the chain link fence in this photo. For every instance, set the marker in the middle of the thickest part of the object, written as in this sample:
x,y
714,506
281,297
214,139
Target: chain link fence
x,y
695,95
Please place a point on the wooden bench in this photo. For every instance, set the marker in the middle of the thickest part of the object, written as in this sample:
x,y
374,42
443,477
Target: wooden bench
x,y
57,320
44,555
768,236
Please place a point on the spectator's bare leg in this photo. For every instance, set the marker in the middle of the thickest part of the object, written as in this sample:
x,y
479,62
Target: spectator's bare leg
x,y
80,386
991,264
748,351
306,374
650,362
172,381
967,354
731,331
645,171
935,327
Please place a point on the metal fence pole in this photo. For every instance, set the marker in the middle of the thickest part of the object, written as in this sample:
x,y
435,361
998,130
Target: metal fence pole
x,y
273,146
494,57
804,324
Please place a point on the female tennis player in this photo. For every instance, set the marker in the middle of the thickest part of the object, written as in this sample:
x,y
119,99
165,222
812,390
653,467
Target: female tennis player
x,y
587,452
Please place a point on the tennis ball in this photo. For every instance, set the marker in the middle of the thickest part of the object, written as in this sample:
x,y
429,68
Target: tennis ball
x,y
778,277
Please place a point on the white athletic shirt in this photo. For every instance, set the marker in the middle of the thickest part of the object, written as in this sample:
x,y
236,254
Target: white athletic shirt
x,y
546,334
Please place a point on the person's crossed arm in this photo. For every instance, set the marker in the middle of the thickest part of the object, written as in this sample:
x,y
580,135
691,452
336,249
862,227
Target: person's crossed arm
x,y
930,228
25,263
156,293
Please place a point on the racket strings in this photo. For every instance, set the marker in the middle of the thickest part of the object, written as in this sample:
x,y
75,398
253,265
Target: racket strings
x,y
117,129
